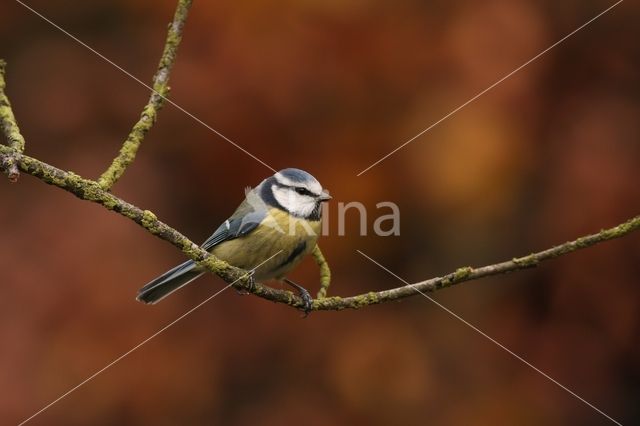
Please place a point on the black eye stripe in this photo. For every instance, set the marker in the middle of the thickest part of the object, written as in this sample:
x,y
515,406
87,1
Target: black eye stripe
x,y
303,191
299,189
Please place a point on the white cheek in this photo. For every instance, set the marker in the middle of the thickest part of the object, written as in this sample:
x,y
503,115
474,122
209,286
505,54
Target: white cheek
x,y
299,205
306,207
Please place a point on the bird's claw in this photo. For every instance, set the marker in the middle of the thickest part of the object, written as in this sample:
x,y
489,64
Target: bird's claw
x,y
304,295
308,302
251,283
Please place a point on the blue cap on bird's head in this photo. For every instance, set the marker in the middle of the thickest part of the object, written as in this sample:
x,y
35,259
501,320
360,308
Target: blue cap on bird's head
x,y
297,178
297,175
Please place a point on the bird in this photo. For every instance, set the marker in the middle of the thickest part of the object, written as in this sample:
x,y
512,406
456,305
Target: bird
x,y
274,228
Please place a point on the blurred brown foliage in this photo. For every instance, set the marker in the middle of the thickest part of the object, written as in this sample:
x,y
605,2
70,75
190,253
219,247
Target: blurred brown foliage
x,y
329,86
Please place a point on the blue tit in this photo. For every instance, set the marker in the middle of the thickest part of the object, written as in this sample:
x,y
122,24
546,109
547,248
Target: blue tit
x,y
278,223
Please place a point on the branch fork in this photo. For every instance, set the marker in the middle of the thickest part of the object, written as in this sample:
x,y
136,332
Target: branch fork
x,y
12,161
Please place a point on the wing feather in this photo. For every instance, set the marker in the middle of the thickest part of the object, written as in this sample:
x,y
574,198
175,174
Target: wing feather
x,y
245,219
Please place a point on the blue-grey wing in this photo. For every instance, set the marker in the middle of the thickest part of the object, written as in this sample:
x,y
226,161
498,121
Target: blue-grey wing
x,y
244,220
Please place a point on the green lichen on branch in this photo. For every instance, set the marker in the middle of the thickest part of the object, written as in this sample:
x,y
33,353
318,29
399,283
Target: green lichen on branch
x,y
10,129
160,91
91,191
467,273
457,276
526,261
149,219
463,272
325,272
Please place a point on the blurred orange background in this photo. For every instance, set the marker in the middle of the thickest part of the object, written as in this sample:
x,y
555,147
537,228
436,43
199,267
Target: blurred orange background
x,y
550,154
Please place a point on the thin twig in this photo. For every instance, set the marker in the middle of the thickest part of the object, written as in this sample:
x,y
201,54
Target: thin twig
x,y
150,112
91,191
11,131
468,273
325,272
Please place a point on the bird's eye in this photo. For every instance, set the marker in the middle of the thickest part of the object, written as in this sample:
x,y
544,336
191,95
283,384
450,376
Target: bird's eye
x,y
302,191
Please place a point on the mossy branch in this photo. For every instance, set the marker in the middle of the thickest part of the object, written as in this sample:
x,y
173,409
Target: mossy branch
x,y
91,191
325,272
159,93
12,160
468,273
10,129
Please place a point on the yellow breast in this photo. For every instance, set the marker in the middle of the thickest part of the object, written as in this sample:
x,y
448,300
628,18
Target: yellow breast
x,y
290,237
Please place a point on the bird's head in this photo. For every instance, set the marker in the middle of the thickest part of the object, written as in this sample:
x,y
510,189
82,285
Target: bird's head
x,y
296,192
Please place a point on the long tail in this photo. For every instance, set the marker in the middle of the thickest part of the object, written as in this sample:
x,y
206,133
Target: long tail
x,y
169,282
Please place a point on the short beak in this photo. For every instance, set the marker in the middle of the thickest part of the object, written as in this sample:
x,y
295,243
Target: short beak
x,y
324,196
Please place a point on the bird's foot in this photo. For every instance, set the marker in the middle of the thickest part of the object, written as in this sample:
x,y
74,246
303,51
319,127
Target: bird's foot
x,y
304,295
251,283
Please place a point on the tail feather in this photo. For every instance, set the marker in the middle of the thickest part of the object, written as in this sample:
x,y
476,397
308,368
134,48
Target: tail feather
x,y
169,282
